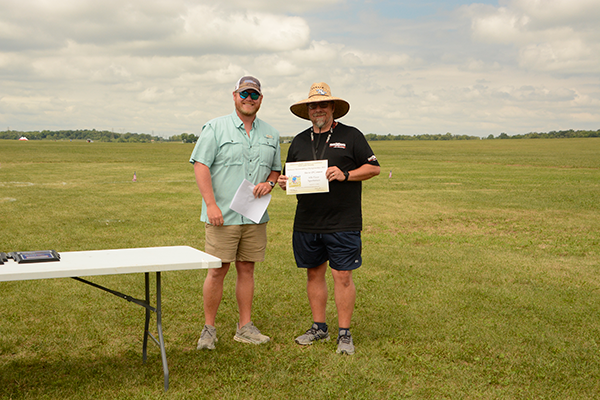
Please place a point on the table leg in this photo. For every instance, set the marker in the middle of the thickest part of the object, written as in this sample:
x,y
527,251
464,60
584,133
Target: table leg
x,y
146,304
161,341
163,351
147,323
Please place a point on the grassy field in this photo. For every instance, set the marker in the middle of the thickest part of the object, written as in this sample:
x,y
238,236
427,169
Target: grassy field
x,y
480,278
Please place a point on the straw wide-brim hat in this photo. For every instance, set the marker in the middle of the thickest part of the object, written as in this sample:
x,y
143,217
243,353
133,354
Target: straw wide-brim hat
x,y
320,92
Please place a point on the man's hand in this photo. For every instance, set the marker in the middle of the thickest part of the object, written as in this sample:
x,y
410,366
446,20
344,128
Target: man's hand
x,y
215,217
335,174
262,189
282,181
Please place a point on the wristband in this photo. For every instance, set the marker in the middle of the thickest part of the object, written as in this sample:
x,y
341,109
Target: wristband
x,y
346,176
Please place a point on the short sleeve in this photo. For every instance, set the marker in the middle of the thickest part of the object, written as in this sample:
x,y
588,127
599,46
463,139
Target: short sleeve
x,y
206,147
363,152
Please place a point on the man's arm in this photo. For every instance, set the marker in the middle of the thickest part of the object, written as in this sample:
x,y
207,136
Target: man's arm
x,y
204,182
362,173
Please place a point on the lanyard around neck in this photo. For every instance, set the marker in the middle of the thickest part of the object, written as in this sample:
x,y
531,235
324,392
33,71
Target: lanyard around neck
x,y
316,147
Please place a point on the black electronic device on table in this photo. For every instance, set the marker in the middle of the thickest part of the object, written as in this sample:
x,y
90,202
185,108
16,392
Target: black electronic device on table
x,y
37,256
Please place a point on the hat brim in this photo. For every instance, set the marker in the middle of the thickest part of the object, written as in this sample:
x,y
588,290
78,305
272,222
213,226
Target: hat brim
x,y
241,89
300,109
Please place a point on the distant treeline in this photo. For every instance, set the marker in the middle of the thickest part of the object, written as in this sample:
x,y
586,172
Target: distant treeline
x,y
96,136
81,134
550,135
448,136
108,136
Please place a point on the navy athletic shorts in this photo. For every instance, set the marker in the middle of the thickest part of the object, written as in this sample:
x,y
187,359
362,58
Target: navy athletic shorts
x,y
342,249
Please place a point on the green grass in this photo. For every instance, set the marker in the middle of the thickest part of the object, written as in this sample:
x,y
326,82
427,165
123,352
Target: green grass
x,y
480,278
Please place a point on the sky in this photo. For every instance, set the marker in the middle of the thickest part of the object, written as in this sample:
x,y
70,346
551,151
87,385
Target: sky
x,y
406,67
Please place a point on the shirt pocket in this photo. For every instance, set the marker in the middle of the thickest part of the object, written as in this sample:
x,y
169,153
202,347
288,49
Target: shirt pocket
x,y
267,154
230,153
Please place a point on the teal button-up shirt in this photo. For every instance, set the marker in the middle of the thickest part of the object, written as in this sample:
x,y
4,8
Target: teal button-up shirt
x,y
232,156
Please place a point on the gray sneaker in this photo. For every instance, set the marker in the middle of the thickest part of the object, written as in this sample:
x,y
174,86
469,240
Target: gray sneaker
x,y
208,338
312,335
250,334
345,344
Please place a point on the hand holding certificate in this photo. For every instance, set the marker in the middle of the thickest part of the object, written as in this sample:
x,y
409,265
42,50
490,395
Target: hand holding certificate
x,y
306,177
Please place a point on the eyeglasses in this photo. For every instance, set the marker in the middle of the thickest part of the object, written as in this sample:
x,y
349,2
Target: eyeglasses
x,y
322,104
253,95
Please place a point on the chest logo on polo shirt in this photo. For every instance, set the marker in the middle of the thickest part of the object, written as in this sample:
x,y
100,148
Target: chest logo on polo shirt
x,y
337,145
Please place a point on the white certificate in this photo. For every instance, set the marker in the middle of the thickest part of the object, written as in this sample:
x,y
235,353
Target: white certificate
x,y
307,177
246,204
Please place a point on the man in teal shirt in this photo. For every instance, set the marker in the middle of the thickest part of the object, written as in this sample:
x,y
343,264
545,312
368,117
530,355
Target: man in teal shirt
x,y
230,149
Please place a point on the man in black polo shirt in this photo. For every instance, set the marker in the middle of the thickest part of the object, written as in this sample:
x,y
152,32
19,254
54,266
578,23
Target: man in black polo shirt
x,y
327,226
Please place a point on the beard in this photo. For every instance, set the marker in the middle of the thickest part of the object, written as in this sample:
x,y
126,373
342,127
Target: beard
x,y
320,121
247,111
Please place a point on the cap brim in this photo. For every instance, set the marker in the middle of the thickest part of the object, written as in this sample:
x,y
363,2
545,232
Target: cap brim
x,y
248,88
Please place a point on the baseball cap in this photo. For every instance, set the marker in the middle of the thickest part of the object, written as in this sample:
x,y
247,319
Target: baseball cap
x,y
247,82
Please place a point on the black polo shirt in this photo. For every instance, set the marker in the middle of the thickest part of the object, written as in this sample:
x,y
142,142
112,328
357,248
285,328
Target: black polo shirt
x,y
340,209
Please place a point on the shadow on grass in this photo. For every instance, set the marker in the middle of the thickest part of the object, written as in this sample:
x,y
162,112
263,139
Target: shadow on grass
x,y
67,377
232,370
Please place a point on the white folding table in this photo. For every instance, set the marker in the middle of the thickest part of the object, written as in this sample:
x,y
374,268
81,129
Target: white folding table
x,y
76,264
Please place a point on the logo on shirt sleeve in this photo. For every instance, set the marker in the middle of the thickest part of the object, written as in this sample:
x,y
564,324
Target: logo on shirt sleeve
x,y
372,158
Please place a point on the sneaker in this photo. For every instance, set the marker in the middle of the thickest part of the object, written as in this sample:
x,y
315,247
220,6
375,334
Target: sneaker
x,y
345,344
312,335
208,338
250,334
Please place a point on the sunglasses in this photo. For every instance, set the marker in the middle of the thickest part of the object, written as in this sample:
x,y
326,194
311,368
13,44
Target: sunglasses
x,y
322,104
253,95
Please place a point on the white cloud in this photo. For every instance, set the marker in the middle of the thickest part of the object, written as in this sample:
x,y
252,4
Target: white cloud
x,y
169,65
208,27
550,13
147,27
279,6
551,35
498,25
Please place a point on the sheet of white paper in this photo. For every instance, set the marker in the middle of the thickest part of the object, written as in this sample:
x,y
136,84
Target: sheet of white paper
x,y
307,177
246,204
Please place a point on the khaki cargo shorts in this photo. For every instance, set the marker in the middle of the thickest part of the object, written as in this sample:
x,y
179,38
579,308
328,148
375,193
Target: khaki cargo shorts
x,y
236,242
